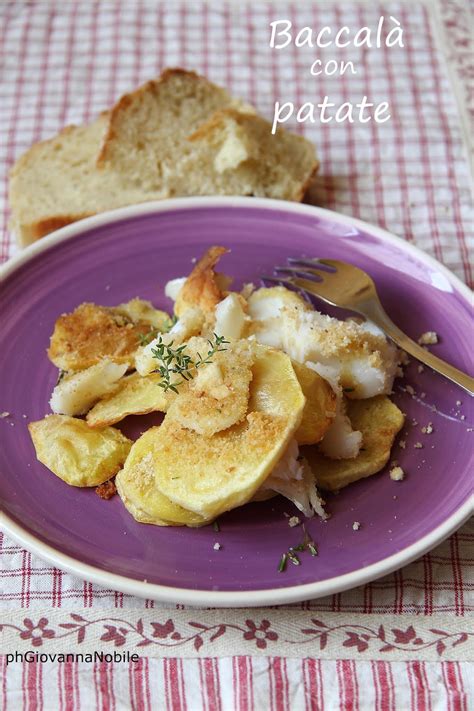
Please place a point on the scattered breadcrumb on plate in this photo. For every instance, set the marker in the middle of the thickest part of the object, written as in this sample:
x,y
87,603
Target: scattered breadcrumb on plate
x,y
429,338
356,526
106,490
397,474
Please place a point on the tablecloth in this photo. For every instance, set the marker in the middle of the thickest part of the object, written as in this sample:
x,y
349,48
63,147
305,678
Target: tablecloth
x,y
404,641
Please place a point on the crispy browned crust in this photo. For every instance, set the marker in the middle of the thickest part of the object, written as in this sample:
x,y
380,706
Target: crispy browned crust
x,y
302,191
30,233
90,333
106,490
201,288
152,86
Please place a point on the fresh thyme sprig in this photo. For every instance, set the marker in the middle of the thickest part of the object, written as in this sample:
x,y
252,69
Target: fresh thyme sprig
x,y
175,361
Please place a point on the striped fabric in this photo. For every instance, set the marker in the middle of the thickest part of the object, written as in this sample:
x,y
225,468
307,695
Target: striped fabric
x,y
240,683
63,62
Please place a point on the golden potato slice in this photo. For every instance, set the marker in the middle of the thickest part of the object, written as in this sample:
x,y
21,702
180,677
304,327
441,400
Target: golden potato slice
x,y
134,395
75,453
218,395
212,474
202,288
136,486
320,408
275,388
141,311
267,302
379,420
91,333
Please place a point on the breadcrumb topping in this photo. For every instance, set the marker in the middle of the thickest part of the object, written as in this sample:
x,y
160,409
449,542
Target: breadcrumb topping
x,y
397,474
294,521
429,338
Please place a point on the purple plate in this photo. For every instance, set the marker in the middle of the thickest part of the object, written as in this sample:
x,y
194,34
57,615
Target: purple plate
x,y
132,252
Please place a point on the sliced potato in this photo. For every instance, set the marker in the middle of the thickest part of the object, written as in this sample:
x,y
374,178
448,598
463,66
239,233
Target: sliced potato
x,y
379,420
212,474
218,395
136,486
134,395
91,333
320,408
141,311
75,453
202,287
267,302
275,388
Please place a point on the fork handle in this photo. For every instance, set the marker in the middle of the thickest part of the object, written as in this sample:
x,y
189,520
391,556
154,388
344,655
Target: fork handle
x,y
375,312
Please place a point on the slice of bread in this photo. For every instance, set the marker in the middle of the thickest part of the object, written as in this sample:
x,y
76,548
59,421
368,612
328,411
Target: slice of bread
x,y
175,136
147,130
56,182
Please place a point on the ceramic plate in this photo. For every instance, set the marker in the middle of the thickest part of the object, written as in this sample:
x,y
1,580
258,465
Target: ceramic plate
x,y
133,252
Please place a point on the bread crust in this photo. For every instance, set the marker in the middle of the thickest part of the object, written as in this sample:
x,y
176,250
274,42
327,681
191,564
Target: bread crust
x,y
30,233
302,192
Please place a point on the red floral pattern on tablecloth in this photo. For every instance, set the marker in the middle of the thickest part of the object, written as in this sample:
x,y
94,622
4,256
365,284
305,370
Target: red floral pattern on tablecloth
x,y
262,633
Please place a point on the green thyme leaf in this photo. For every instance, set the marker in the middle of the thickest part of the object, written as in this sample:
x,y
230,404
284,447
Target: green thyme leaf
x,y
293,557
175,361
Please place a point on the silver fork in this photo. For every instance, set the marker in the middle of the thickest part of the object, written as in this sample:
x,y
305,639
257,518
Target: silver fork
x,y
343,285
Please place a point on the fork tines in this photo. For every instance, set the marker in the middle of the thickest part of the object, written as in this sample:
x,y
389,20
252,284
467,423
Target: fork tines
x,y
315,263
300,268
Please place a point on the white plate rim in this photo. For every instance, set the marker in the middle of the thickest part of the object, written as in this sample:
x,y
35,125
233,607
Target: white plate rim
x,y
247,598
